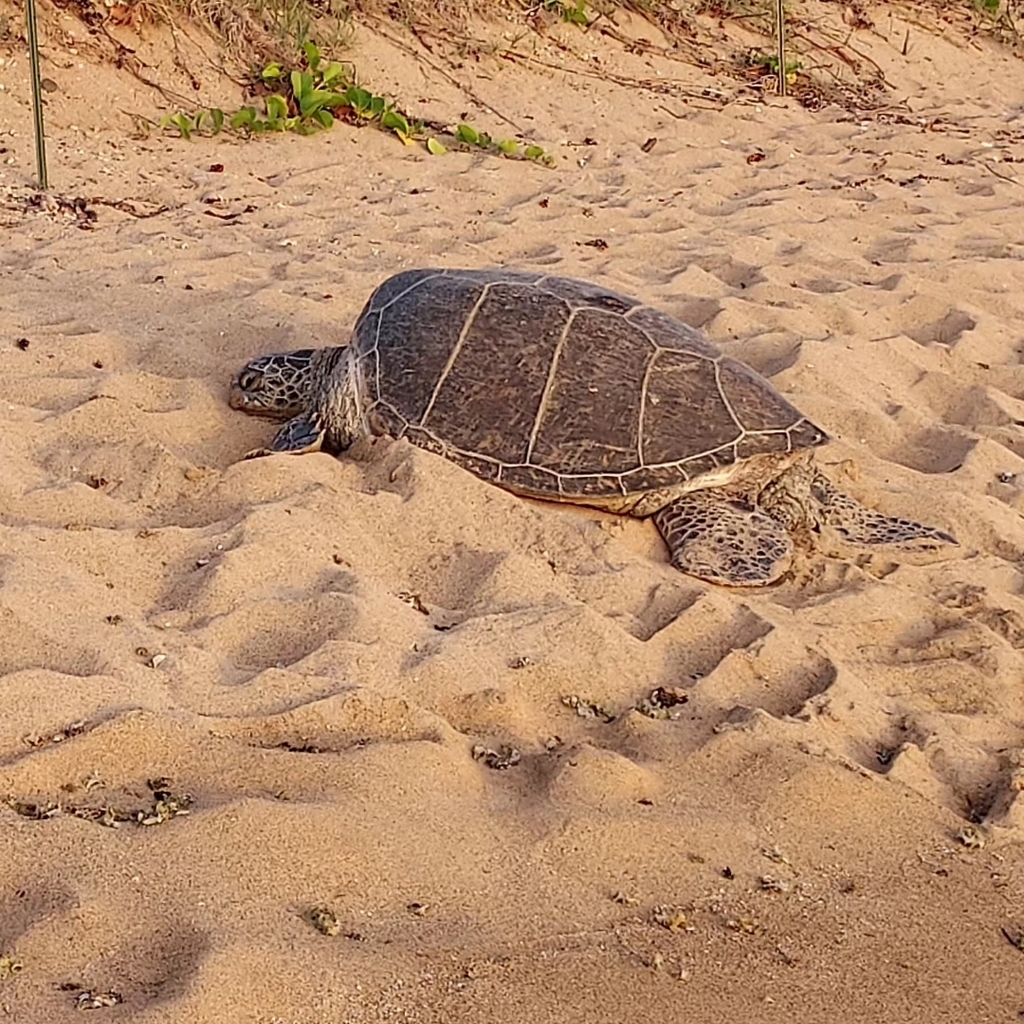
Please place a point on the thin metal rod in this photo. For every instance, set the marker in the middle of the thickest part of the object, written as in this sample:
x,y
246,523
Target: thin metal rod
x,y
37,91
780,38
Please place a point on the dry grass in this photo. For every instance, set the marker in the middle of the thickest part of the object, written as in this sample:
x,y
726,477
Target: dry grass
x,y
275,28
720,36
254,31
249,24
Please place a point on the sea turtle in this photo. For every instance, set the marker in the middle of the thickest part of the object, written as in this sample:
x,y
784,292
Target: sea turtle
x,y
558,389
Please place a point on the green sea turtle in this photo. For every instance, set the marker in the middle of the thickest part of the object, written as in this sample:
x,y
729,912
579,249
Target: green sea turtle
x,y
558,389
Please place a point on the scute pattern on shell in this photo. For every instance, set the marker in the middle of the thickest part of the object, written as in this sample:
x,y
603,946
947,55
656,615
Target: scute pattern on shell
x,y
559,388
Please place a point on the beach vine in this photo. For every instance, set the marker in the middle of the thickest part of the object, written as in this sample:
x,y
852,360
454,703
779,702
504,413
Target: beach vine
x,y
312,96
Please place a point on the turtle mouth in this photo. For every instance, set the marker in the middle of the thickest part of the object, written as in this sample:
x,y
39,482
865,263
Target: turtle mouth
x,y
239,399
254,404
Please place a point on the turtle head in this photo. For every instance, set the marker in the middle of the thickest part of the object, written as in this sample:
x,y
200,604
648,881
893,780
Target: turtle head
x,y
275,386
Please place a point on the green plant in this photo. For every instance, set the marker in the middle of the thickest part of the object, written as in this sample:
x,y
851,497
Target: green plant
x,y
574,14
510,147
271,29
770,63
310,98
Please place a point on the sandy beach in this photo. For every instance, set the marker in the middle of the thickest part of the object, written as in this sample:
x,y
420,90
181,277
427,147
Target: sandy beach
x,y
236,693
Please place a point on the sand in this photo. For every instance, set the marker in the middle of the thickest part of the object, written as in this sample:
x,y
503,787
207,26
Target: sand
x,y
303,653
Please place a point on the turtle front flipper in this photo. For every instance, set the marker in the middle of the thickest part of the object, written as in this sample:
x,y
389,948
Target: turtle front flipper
x,y
299,435
722,541
858,524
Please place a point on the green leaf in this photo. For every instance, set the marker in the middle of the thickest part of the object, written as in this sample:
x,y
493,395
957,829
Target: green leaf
x,y
377,106
323,117
244,118
315,99
312,55
272,72
576,15
395,121
435,147
534,153
217,117
508,146
332,73
318,99
464,133
298,83
358,99
184,125
277,107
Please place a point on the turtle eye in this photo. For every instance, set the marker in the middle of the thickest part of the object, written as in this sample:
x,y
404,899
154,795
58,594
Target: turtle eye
x,y
249,380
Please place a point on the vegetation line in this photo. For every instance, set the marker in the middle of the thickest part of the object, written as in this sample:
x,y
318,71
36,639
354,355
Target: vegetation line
x,y
312,96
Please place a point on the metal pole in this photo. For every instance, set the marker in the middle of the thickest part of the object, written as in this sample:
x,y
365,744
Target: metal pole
x,y
37,91
780,37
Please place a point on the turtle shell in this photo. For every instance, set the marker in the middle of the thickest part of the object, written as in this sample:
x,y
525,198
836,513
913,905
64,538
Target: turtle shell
x,y
557,388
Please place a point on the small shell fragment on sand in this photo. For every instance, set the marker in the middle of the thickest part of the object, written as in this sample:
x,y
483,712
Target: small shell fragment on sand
x,y
90,1000
324,920
664,702
9,966
587,708
671,917
971,837
502,758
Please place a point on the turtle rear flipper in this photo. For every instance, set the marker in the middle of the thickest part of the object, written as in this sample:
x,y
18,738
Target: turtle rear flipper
x,y
722,541
857,524
299,435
